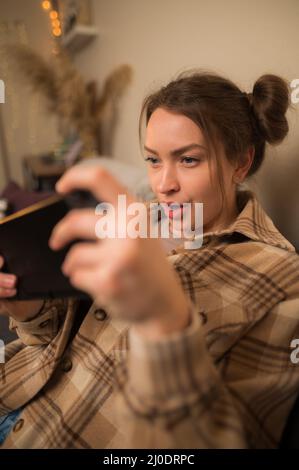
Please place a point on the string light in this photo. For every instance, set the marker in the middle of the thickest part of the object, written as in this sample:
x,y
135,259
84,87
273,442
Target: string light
x,y
53,15
56,32
56,24
46,5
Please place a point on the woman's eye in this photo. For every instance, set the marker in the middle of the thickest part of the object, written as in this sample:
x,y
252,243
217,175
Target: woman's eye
x,y
190,161
152,160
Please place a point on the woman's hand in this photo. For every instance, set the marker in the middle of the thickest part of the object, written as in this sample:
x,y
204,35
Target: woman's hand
x,y
19,310
131,276
7,283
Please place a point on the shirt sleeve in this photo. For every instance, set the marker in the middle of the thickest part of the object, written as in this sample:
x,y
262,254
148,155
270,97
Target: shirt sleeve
x,y
173,394
45,326
173,397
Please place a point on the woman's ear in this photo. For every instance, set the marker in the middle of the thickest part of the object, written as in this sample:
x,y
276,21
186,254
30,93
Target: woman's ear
x,y
244,165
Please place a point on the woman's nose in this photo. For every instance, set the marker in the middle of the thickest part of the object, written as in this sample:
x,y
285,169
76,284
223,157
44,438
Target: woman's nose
x,y
169,182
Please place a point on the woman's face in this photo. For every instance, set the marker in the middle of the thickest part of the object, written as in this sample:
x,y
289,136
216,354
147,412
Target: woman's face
x,y
178,168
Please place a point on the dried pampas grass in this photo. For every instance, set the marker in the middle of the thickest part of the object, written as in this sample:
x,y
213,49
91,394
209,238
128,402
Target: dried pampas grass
x,y
78,105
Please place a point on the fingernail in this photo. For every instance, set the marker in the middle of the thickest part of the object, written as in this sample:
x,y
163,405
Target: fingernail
x,y
11,293
9,282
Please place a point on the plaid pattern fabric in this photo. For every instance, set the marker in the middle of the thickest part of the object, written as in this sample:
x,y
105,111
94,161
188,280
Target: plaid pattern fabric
x,y
225,381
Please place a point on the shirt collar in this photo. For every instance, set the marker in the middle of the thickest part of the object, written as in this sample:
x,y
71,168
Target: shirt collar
x,y
253,223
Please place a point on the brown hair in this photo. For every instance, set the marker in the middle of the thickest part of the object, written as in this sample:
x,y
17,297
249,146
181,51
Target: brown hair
x,y
224,113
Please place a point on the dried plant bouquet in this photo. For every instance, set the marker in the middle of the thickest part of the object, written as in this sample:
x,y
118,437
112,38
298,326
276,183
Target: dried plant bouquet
x,y
78,105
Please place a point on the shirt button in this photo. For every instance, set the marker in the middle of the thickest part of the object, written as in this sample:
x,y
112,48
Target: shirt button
x,y
100,314
18,426
44,323
66,364
203,316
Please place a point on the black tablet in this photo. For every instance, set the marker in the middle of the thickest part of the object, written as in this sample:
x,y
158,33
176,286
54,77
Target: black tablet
x,y
24,238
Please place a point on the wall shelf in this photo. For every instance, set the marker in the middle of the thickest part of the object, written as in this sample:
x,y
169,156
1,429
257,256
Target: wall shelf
x,y
79,37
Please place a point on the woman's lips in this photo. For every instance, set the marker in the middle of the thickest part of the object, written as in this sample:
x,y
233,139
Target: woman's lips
x,y
174,210
175,213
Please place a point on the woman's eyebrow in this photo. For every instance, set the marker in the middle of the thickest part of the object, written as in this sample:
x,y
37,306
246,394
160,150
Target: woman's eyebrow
x,y
178,151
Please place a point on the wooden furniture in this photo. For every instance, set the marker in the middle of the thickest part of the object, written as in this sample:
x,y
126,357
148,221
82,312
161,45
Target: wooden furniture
x,y
42,172
79,37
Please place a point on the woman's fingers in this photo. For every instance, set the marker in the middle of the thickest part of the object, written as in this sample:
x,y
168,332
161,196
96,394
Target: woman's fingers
x,y
77,224
109,287
105,188
4,293
94,281
94,178
81,255
89,269
7,282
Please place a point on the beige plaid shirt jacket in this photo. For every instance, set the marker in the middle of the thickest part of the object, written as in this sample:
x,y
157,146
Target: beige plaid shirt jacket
x,y
225,381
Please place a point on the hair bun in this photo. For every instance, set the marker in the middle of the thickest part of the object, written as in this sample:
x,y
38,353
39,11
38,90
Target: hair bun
x,y
270,100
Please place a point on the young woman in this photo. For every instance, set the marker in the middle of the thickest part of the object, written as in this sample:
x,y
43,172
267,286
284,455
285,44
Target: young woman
x,y
198,340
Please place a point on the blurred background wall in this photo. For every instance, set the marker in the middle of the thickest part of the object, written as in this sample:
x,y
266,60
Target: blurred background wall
x,y
27,128
2,169
241,39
